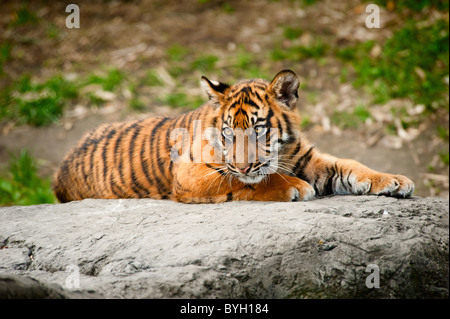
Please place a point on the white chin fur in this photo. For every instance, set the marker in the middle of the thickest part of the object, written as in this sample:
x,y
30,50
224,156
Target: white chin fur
x,y
251,179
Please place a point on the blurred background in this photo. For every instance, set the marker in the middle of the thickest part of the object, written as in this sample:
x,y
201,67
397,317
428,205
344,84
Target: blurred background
x,y
378,95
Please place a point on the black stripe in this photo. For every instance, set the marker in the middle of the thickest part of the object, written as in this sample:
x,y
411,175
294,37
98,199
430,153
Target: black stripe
x,y
82,156
136,186
252,103
302,162
229,197
177,186
234,105
266,98
259,86
96,143
288,124
348,180
117,190
111,180
144,162
314,184
93,182
116,149
78,163
153,147
258,97
157,126
261,119
328,186
280,127
216,169
297,149
168,148
185,121
269,116
191,155
87,142
105,149
162,163
191,139
337,174
119,140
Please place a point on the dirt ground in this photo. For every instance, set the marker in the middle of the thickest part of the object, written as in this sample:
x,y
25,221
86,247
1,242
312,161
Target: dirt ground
x,y
133,36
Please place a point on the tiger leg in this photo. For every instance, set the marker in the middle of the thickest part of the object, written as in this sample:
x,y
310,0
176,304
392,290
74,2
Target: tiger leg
x,y
277,187
214,186
330,175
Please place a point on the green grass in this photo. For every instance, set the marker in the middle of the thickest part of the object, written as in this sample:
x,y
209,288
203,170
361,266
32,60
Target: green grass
x,y
177,53
443,133
412,64
176,99
36,104
227,7
153,79
291,33
246,65
23,186
296,53
94,100
354,119
23,16
183,100
308,2
416,5
362,113
5,55
444,156
110,81
53,31
205,63
177,71
305,121
28,102
135,102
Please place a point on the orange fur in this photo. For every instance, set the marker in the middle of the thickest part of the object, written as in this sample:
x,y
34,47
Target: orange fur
x,y
135,159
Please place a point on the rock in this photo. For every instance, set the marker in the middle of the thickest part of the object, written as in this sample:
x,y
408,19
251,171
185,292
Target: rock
x,y
29,288
334,247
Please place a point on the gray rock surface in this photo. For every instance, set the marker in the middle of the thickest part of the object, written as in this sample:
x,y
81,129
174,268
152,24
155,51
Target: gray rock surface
x,y
329,247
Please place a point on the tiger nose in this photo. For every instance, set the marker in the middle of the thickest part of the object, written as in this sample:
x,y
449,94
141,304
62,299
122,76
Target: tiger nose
x,y
244,170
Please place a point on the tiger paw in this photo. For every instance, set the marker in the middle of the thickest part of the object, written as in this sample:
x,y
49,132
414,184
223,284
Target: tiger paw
x,y
302,191
391,185
280,188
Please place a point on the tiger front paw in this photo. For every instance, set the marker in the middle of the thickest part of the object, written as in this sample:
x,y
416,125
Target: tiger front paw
x,y
301,191
390,185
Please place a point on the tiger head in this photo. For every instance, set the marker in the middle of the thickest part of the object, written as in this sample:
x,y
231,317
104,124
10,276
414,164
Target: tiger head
x,y
257,125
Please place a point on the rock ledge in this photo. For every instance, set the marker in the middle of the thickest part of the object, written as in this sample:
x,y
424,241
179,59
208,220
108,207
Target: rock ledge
x,y
327,248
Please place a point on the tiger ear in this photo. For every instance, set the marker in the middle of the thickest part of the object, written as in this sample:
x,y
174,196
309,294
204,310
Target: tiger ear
x,y
215,90
285,87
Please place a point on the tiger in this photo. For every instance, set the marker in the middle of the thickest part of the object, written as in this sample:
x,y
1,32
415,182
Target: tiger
x,y
273,162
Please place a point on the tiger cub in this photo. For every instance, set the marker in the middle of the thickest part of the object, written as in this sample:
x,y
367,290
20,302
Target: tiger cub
x,y
245,144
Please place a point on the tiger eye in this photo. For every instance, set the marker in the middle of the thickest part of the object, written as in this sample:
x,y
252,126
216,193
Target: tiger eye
x,y
227,132
260,130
